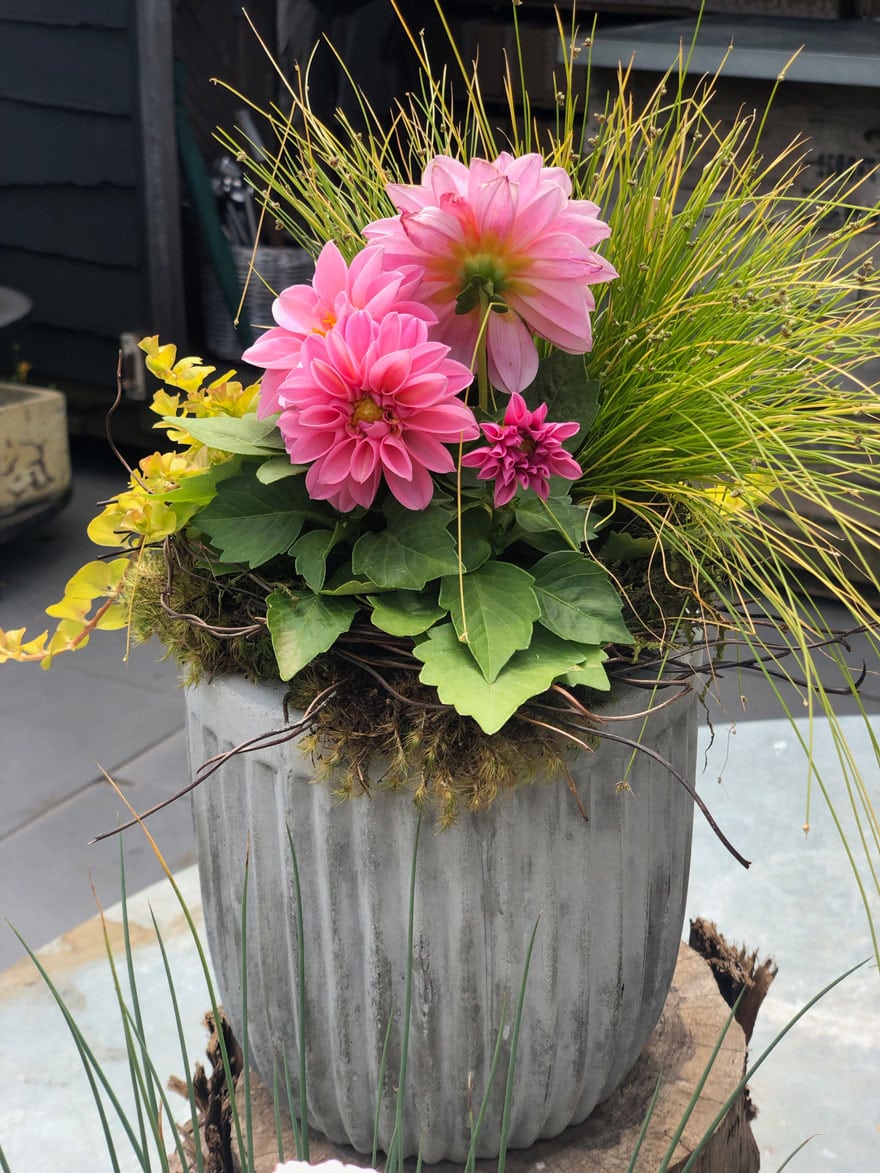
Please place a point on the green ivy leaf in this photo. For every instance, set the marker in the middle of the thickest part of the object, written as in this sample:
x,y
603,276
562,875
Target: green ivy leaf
x,y
343,582
201,487
414,548
590,674
246,435
500,609
404,612
276,468
310,551
303,626
459,682
562,383
476,523
536,516
578,600
623,547
250,523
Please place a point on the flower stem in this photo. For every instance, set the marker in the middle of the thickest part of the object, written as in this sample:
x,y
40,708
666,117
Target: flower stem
x,y
482,354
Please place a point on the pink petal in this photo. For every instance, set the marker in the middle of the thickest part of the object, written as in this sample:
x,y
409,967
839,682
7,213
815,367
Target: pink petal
x,y
331,274
427,451
513,359
389,372
412,494
395,457
298,309
364,460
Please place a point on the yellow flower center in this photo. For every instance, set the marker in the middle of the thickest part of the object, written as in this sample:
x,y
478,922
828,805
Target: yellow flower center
x,y
327,323
366,410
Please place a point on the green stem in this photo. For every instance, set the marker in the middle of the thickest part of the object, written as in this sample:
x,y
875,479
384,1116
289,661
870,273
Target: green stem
x,y
483,354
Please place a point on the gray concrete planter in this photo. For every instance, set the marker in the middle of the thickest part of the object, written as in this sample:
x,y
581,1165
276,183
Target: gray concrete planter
x,y
35,472
610,894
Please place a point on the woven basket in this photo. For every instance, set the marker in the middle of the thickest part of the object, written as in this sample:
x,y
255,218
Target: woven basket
x,y
274,267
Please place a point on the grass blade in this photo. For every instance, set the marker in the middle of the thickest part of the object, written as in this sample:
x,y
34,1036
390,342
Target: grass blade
x,y
132,985
291,1108
407,1002
382,1065
481,1115
276,1108
514,1042
93,1069
725,1107
193,1108
791,1156
245,1050
301,1002
644,1129
692,1102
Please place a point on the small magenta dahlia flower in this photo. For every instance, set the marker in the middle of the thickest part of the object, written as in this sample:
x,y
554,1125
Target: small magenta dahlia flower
x,y
367,284
524,449
505,235
373,399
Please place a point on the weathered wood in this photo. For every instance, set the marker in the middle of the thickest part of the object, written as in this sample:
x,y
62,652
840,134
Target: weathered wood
x,y
98,13
678,1054
736,971
101,225
79,68
49,146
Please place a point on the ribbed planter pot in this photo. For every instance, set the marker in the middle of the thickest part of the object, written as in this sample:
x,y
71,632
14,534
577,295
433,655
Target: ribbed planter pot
x,y
610,894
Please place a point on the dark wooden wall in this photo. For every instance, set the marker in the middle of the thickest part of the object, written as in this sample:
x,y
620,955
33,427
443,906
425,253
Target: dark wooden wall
x,y
78,215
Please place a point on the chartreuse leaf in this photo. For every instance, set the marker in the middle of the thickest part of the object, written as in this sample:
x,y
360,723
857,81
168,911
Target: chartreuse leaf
x,y
405,612
459,682
500,608
590,674
251,523
562,383
578,600
245,435
413,549
303,626
96,580
310,551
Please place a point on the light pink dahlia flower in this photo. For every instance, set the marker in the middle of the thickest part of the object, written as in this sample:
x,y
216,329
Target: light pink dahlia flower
x,y
367,284
373,399
505,233
524,449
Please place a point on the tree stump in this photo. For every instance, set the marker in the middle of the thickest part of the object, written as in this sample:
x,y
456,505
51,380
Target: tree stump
x,y
678,1053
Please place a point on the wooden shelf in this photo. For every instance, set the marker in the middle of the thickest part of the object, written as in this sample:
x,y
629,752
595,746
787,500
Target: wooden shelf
x,y
844,53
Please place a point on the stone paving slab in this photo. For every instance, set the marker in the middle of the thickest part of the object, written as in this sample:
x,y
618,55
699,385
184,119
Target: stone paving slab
x,y
46,868
55,726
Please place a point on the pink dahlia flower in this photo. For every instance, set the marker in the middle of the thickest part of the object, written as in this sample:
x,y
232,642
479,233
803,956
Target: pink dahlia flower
x,y
367,284
373,399
508,234
524,449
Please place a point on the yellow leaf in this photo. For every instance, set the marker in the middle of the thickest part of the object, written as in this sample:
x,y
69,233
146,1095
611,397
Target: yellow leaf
x,y
13,647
